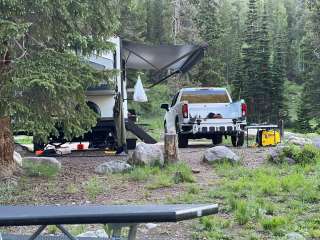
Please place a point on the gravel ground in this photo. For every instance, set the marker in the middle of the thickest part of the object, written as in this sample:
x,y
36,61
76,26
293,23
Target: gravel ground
x,y
79,168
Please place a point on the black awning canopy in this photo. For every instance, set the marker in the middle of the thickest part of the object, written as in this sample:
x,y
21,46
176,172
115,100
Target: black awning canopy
x,y
160,59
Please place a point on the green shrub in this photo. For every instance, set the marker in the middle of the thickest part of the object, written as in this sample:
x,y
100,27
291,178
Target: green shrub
x,y
305,155
33,169
292,151
308,154
143,173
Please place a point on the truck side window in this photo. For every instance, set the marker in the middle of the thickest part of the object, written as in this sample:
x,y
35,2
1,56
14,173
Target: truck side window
x,y
174,100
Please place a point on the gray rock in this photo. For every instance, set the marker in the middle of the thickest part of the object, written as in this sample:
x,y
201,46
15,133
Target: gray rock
x,y
100,233
17,158
294,236
290,161
43,160
115,166
151,226
300,141
316,142
220,153
147,154
275,154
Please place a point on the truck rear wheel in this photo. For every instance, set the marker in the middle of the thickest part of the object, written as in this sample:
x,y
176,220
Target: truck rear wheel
x,y
183,141
216,139
238,140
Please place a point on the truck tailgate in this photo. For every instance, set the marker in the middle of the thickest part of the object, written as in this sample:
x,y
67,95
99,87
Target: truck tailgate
x,y
226,110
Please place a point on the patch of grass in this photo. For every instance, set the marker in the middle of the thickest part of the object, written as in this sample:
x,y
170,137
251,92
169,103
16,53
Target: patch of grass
x,y
214,222
182,173
72,189
77,229
274,224
162,177
143,173
292,182
315,233
52,229
33,169
94,187
160,181
242,212
193,189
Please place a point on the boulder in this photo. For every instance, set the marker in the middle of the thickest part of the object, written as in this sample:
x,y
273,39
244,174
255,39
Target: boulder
x,y
316,142
275,154
43,160
147,154
294,236
17,158
219,154
115,166
100,233
290,161
299,141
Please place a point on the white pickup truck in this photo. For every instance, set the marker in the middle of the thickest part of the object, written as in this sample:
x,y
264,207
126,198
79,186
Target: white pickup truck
x,y
205,113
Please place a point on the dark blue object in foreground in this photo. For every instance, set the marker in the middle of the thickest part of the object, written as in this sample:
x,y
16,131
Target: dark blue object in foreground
x,y
116,216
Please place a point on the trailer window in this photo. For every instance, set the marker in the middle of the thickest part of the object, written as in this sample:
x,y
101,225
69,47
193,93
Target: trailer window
x,y
206,96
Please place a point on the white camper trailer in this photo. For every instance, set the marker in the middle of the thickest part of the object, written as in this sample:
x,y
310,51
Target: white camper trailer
x,y
163,61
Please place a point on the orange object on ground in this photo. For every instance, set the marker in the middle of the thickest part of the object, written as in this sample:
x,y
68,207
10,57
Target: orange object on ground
x,y
80,146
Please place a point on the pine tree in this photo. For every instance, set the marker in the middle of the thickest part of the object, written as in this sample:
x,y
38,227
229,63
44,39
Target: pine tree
x,y
43,81
209,28
278,109
309,108
250,63
264,91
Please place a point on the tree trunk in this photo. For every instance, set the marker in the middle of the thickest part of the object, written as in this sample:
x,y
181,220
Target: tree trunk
x,y
7,163
171,150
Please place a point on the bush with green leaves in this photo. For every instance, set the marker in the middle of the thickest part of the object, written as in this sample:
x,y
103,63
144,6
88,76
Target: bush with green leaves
x,y
307,154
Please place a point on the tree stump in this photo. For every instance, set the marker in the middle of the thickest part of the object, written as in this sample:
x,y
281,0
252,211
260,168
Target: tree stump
x,y
171,150
7,163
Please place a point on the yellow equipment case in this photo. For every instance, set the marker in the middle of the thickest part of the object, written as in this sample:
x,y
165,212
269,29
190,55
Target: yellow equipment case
x,y
268,137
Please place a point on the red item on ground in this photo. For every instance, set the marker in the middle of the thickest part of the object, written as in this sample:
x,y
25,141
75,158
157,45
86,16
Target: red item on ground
x,y
80,146
39,152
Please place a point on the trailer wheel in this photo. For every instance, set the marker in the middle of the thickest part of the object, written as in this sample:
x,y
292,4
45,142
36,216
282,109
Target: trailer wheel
x,y
238,140
183,141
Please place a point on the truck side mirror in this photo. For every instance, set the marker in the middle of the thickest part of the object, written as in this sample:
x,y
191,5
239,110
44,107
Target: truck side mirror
x,y
165,106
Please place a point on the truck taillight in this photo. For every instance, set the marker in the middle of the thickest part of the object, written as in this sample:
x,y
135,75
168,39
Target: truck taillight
x,y
185,110
244,109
